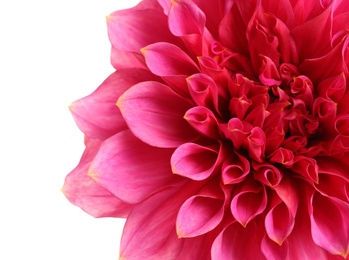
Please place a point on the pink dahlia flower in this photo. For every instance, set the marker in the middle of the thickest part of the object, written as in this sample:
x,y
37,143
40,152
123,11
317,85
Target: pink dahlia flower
x,y
224,131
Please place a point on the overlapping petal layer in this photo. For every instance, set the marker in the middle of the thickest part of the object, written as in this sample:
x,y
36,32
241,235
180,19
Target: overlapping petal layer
x,y
224,132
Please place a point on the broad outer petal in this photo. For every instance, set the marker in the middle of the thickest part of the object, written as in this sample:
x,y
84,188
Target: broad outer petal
x,y
96,114
329,224
82,191
237,242
150,231
132,29
115,169
154,113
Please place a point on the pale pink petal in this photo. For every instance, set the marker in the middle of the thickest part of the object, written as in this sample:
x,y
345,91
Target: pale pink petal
x,y
154,113
97,115
113,167
82,191
195,161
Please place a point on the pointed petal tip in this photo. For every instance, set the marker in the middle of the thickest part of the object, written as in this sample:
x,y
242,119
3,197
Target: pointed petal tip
x,y
94,176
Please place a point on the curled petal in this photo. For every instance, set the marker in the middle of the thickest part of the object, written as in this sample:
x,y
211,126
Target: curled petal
x,y
329,224
282,156
112,168
268,73
267,174
235,168
154,113
333,88
204,121
203,90
307,167
195,161
256,144
248,202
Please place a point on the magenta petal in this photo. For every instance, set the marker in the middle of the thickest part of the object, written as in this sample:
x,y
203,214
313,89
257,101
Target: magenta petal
x,y
97,115
154,113
111,167
166,59
195,161
199,215
329,224
186,18
82,191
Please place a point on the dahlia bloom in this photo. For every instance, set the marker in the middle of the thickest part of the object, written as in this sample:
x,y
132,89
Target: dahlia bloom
x,y
224,131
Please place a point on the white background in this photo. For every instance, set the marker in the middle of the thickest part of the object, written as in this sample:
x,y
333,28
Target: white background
x,y
51,53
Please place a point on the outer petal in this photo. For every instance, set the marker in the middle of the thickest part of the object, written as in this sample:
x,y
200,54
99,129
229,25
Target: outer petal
x,y
132,29
154,113
82,191
131,169
237,242
329,224
149,231
97,115
186,18
165,59
201,213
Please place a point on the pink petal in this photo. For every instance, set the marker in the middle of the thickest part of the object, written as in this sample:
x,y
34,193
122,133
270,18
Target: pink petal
x,y
329,224
237,242
114,167
267,174
203,91
195,161
82,191
186,18
127,60
97,115
272,250
315,32
132,29
279,223
150,231
166,59
154,113
203,120
200,213
235,168
248,202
